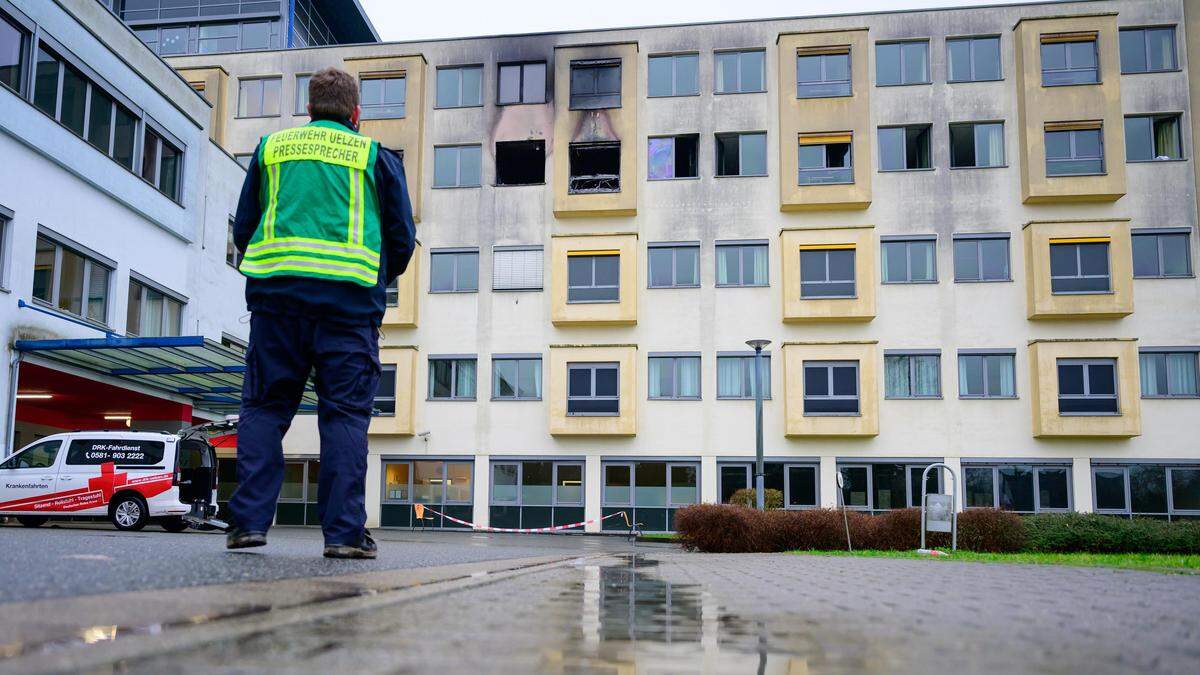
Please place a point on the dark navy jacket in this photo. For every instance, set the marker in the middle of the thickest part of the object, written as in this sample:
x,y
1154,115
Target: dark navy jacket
x,y
339,301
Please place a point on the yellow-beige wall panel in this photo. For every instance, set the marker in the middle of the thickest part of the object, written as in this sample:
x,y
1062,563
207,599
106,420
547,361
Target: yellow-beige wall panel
x,y
1038,106
865,423
405,133
835,115
1043,388
1044,304
622,424
213,84
595,126
408,297
859,308
622,312
402,423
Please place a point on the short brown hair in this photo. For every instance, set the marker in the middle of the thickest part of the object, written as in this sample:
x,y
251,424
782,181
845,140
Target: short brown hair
x,y
332,93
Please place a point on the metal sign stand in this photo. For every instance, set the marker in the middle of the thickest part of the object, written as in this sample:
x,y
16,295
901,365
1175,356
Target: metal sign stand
x,y
939,512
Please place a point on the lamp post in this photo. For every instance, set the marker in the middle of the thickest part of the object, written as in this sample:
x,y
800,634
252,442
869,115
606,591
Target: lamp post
x,y
760,497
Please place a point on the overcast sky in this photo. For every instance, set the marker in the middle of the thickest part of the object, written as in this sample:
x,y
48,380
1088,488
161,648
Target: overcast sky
x,y
408,20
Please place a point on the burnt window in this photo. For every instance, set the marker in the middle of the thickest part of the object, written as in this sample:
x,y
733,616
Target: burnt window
x,y
520,162
595,84
595,167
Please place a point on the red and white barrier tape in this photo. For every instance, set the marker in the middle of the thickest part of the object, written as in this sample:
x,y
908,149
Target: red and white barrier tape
x,y
528,530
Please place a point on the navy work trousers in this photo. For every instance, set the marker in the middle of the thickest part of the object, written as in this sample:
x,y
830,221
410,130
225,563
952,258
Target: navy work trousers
x,y
284,349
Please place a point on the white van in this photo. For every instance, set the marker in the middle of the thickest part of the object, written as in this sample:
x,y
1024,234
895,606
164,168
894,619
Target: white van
x,y
129,477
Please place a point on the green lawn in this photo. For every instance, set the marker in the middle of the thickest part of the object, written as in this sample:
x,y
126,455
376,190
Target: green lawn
x,y
1157,562
661,536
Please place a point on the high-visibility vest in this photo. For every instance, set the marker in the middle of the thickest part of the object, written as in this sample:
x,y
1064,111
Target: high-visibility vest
x,y
320,210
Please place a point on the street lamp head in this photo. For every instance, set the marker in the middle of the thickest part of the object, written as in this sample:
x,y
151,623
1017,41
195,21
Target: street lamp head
x,y
758,344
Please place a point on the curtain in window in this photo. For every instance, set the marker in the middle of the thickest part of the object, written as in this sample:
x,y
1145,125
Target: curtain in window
x,y
925,375
729,377
689,377
655,375
964,386
1149,375
1005,370
989,145
760,264
1181,374
1166,138
464,385
722,265
896,376
924,253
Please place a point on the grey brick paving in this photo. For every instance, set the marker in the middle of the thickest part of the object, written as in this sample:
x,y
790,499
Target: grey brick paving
x,y
670,612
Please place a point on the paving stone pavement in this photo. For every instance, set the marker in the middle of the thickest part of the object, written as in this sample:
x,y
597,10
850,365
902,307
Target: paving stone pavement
x,y
672,612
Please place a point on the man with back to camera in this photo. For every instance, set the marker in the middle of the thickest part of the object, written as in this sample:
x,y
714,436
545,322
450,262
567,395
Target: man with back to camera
x,y
324,223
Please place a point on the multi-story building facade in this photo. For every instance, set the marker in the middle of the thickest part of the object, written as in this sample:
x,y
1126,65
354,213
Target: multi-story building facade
x,y
114,209
968,233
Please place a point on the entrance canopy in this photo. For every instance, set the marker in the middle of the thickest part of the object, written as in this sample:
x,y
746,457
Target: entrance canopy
x,y
208,374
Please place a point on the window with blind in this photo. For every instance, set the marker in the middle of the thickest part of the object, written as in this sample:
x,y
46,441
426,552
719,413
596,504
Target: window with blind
x,y
517,268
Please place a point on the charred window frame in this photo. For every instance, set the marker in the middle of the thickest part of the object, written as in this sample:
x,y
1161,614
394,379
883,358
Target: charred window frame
x,y
595,84
520,162
594,167
673,157
521,83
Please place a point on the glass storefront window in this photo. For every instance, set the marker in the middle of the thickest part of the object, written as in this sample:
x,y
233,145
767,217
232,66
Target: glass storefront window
x,y
650,484
683,485
396,482
617,484
458,482
293,482
504,483
427,482
537,483
569,484
854,486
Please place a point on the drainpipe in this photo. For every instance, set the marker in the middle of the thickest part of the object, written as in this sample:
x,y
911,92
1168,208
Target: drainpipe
x,y
14,369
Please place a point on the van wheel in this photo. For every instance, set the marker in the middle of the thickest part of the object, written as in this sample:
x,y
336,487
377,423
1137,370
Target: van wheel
x,y
129,513
173,524
32,521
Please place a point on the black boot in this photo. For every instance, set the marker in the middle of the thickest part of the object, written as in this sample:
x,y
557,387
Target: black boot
x,y
364,550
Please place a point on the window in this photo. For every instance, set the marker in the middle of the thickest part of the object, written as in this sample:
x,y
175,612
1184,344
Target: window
x,y
797,482
244,159
1148,490
1162,253
650,484
517,268
233,257
522,83
823,72
451,378
914,375
986,375
595,84
975,59
456,166
1169,374
830,387
825,159
884,486
537,483
520,162
215,38
976,144
740,72
259,97
735,376
428,482
460,87
1152,138
301,107
910,261
454,271
161,164
594,167
980,258
1079,266
517,378
904,148
384,403
673,157
1087,387
256,35
391,297
674,75
383,97
1074,152
236,345
674,265
593,389
674,376
1148,50
13,40
70,281
1069,59
151,312
742,154
1022,488
39,456
593,277
742,263
827,272
898,63
6,216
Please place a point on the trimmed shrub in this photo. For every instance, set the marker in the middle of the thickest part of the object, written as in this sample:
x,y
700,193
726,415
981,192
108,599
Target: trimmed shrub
x,y
1096,533
773,499
989,531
